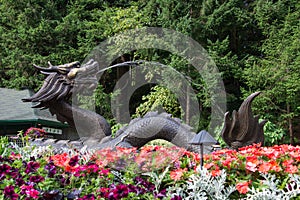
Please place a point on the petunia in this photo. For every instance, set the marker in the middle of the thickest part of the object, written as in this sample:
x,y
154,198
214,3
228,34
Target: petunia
x,y
32,193
4,169
36,179
51,168
176,197
161,194
73,161
32,167
9,192
19,181
88,197
120,191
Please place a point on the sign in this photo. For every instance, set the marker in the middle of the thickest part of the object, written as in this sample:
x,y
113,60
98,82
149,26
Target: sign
x,y
52,130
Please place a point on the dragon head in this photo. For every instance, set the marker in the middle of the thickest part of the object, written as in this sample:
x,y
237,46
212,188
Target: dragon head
x,y
64,80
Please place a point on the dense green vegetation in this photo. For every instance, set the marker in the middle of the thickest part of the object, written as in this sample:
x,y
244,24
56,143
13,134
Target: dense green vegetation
x,y
255,45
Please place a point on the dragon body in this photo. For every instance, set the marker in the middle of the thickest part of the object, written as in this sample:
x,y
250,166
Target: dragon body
x,y
64,81
136,134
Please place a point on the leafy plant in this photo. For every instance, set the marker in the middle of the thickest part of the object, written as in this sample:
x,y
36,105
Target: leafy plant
x,y
3,144
273,134
271,189
162,99
202,185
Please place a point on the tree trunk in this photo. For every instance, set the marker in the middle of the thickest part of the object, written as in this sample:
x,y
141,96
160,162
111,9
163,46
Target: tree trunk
x,y
291,132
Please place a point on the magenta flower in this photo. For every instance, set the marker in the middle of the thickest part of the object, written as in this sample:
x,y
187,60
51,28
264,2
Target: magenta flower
x,y
32,167
20,181
36,179
73,161
4,169
14,173
51,168
9,192
176,198
161,194
35,132
147,185
88,197
53,194
33,193
121,191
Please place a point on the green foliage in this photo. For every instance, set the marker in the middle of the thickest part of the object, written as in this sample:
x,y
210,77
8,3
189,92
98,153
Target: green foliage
x,y
273,134
116,127
202,185
276,71
161,99
254,44
3,145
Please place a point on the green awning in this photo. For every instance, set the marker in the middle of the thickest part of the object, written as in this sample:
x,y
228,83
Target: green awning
x,y
34,121
15,112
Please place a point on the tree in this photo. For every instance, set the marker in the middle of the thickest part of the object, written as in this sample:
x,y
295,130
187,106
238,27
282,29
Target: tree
x,y
28,35
276,71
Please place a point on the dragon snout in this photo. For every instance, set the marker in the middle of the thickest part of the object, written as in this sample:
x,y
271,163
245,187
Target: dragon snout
x,y
62,69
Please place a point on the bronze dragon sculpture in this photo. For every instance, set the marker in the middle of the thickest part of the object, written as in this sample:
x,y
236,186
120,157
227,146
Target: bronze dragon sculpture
x,y
65,80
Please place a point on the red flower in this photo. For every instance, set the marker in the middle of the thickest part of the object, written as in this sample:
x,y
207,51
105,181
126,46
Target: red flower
x,y
271,165
275,166
208,165
243,187
60,160
264,167
291,169
287,163
14,156
35,132
215,172
177,174
227,162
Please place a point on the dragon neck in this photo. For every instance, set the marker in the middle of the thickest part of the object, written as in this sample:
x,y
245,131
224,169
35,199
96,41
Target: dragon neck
x,y
87,123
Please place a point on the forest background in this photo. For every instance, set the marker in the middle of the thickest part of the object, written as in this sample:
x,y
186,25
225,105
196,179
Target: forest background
x,y
254,43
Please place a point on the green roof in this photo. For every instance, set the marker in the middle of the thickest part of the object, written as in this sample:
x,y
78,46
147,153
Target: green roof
x,y
14,111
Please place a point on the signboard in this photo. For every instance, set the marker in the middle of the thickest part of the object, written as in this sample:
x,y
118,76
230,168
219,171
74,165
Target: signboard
x,y
52,130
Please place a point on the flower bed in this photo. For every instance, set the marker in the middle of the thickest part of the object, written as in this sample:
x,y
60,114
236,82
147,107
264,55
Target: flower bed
x,y
152,172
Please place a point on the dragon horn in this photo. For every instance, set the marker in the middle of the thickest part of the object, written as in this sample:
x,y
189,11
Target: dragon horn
x,y
62,69
50,69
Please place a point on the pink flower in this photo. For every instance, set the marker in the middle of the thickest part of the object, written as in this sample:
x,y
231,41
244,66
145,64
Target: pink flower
x,y
209,165
264,167
291,169
251,166
227,162
32,193
216,172
35,132
177,174
243,187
